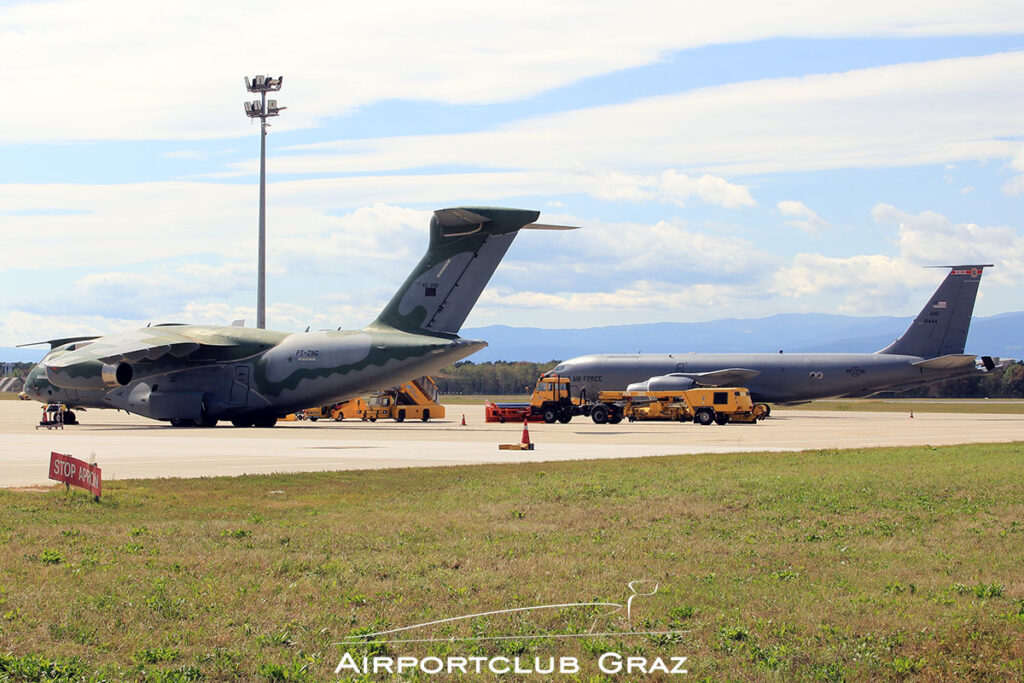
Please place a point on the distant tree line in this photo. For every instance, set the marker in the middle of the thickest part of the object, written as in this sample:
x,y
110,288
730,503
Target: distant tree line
x,y
20,369
1006,384
518,377
499,378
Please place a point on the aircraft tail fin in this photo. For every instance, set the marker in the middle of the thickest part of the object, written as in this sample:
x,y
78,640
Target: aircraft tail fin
x,y
941,327
466,246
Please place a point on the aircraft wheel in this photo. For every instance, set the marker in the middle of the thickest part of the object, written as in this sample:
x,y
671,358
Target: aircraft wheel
x,y
599,414
265,421
704,417
206,421
242,421
550,416
181,422
426,416
69,418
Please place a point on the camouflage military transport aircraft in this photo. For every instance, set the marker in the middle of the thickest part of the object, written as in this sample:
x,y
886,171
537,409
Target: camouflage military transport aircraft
x,y
931,349
196,375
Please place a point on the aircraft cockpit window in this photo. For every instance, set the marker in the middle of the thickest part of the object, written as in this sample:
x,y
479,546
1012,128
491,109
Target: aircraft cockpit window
x,y
558,369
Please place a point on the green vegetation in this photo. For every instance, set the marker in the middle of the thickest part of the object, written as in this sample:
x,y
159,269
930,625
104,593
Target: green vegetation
x,y
876,564
490,379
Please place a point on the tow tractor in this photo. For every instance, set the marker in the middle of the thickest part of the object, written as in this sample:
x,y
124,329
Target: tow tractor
x,y
550,402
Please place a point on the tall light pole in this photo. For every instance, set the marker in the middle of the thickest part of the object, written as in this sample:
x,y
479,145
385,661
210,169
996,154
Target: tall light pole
x,y
261,109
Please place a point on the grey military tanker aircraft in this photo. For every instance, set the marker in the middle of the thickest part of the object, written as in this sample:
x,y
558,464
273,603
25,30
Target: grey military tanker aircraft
x,y
931,349
196,375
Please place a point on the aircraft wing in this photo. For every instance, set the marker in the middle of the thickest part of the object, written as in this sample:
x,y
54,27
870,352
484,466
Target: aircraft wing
x,y
948,362
726,377
147,344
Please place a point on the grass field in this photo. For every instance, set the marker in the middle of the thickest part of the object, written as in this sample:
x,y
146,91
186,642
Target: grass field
x,y
882,564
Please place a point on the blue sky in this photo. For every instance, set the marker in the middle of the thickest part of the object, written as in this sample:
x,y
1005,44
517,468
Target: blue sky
x,y
739,160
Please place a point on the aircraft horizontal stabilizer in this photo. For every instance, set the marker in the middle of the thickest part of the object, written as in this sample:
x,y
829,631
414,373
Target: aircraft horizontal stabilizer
x,y
947,362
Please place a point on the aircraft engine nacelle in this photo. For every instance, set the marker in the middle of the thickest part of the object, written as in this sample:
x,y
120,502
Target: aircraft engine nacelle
x,y
671,382
90,375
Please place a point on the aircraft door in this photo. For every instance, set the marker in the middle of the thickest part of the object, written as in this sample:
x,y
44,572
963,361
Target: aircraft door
x,y
240,385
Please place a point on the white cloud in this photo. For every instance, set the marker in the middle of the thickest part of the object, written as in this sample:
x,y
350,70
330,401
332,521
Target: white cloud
x,y
191,154
1015,185
345,265
805,218
710,189
904,114
929,238
146,70
872,283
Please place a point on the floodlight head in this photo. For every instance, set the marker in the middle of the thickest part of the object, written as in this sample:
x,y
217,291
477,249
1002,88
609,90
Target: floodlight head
x,y
263,83
253,109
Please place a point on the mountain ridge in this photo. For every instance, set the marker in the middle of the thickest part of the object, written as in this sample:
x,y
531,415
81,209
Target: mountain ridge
x,y
997,335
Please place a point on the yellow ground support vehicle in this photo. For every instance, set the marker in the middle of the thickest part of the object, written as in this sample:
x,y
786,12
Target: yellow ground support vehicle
x,y
704,406
314,414
416,399
354,407
551,401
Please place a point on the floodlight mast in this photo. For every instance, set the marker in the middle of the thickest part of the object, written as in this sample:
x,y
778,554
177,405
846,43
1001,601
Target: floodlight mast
x,y
261,109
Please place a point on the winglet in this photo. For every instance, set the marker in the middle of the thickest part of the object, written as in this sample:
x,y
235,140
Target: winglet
x,y
54,343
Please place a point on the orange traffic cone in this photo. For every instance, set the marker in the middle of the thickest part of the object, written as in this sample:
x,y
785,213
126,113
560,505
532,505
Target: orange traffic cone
x,y
523,445
463,419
